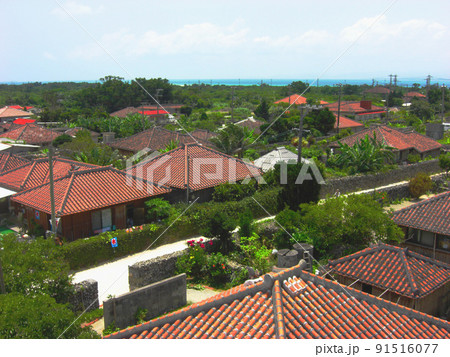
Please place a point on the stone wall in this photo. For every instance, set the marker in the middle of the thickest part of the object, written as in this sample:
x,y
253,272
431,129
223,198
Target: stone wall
x,y
158,298
153,270
86,296
366,182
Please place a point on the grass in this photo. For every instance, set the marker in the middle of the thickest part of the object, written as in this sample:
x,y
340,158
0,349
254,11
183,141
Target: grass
x,y
4,230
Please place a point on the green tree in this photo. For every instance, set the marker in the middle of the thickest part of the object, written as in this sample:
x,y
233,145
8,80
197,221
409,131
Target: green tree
x,y
219,225
40,317
367,155
322,120
35,268
444,162
233,139
295,189
157,209
342,225
262,110
420,184
422,109
64,138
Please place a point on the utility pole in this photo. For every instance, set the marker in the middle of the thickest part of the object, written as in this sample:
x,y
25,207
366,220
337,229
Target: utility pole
x,y
442,107
428,79
339,108
52,192
232,103
2,281
395,81
300,135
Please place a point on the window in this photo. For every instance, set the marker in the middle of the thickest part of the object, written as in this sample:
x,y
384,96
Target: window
x,y
427,238
366,288
101,220
443,242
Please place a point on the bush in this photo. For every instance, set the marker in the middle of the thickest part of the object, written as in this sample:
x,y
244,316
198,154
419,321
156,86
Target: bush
x,y
233,192
444,162
219,225
413,158
290,221
192,263
256,254
217,271
157,209
420,184
246,224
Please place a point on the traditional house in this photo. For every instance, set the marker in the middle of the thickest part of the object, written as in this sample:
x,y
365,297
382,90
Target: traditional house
x,y
296,99
193,171
251,124
404,143
410,95
87,202
427,226
347,123
280,154
292,304
31,134
10,113
154,139
74,131
362,110
398,275
34,173
9,161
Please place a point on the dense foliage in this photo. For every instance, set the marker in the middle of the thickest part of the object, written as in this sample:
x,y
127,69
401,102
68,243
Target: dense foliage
x,y
420,184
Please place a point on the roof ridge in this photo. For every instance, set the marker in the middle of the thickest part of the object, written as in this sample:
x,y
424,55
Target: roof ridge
x,y
27,177
414,288
66,194
227,297
424,202
356,255
379,302
278,315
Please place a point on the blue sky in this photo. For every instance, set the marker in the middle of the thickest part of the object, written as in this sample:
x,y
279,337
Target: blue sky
x,y
223,39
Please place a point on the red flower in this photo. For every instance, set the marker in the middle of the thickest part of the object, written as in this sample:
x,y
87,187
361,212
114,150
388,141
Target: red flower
x,y
210,243
202,245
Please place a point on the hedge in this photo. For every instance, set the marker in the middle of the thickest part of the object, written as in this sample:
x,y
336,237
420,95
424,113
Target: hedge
x,y
87,252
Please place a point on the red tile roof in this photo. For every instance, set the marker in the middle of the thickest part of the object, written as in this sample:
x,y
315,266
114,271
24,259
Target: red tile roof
x,y
87,190
23,121
415,94
353,107
251,124
36,172
432,215
9,161
19,107
153,112
394,138
345,122
296,99
10,112
207,168
378,90
388,267
203,134
31,134
292,304
155,139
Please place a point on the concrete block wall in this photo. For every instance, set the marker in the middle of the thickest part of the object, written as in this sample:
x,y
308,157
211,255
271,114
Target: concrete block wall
x,y
158,298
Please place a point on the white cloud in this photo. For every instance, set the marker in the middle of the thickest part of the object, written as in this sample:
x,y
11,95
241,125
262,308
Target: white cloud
x,y
49,56
73,8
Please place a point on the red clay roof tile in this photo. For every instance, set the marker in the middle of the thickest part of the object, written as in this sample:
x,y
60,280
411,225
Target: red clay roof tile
x,y
87,190
432,215
397,269
31,134
322,309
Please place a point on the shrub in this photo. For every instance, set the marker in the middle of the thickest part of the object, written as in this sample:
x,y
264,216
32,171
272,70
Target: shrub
x,y
233,192
217,271
192,263
289,220
420,184
256,254
246,224
219,225
157,209
444,162
413,158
